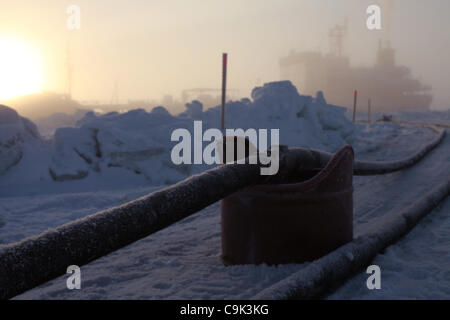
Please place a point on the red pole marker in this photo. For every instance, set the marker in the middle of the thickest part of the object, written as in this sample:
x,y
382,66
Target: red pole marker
x,y
369,107
224,87
354,105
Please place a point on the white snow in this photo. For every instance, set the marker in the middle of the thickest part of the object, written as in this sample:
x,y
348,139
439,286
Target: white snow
x,y
15,131
48,125
417,267
135,146
125,156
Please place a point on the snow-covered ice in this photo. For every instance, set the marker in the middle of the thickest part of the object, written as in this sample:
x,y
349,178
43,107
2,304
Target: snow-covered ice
x,y
105,160
15,132
417,267
183,261
137,143
48,125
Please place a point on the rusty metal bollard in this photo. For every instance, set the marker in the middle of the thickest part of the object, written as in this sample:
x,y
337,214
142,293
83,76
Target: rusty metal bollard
x,y
291,223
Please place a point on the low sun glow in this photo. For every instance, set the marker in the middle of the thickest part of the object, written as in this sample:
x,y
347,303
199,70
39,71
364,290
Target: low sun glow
x,y
20,69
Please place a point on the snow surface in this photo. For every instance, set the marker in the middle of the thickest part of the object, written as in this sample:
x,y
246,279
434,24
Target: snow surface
x,y
183,261
33,214
137,143
15,131
417,267
48,125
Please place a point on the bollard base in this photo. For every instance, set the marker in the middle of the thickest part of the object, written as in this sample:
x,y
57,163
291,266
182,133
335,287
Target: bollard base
x,y
290,223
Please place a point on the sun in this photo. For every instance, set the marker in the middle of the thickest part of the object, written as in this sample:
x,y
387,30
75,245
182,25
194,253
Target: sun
x,y
20,69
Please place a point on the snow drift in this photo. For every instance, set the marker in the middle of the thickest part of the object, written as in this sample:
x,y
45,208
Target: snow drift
x,y
328,272
137,143
48,125
15,131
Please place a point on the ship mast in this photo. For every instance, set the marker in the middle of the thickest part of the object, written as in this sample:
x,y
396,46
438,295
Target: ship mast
x,y
336,36
69,70
388,8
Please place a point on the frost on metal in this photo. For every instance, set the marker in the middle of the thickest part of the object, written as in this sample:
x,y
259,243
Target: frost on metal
x,y
35,260
326,273
28,263
365,168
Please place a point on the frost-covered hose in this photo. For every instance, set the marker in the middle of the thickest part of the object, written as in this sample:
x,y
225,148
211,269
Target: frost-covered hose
x,y
36,260
365,168
327,273
309,161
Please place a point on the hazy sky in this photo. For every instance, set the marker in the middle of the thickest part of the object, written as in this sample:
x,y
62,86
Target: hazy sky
x,y
156,47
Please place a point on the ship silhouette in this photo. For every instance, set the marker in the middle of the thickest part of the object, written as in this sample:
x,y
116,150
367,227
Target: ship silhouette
x,y
389,86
